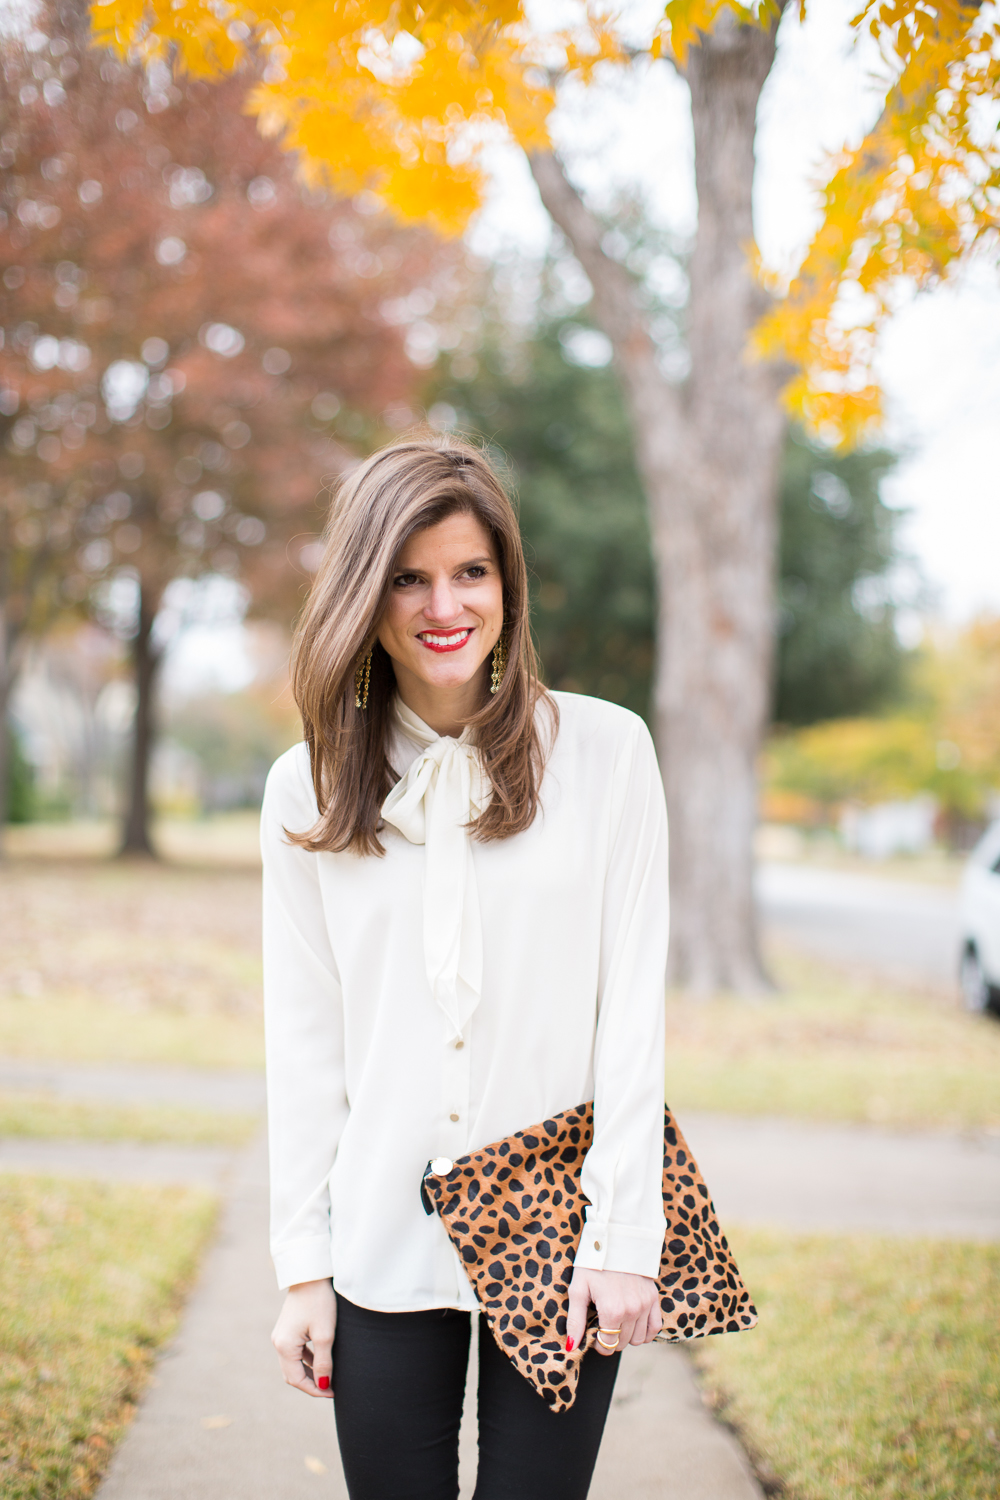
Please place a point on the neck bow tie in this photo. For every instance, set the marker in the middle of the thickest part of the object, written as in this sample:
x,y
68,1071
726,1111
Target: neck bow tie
x,y
443,790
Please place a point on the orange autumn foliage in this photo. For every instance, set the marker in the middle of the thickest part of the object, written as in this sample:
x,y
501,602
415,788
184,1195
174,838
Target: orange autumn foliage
x,y
400,98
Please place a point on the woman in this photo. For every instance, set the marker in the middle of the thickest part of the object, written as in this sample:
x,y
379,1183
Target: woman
x,y
465,896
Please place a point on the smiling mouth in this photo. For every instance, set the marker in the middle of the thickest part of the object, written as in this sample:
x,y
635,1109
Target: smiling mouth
x,y
445,640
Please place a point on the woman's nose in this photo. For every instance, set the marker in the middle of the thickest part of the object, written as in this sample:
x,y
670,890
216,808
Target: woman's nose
x,y
442,608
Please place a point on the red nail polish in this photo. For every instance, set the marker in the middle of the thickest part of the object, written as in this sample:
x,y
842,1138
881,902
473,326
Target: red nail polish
x,y
324,1382
570,1346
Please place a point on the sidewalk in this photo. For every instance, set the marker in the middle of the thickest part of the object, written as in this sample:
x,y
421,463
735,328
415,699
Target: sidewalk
x,y
830,1178
219,1421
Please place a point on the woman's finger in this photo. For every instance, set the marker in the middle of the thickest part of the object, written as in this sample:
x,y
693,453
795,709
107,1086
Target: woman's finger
x,y
303,1339
614,1323
302,1372
654,1322
579,1303
627,1335
295,1372
321,1364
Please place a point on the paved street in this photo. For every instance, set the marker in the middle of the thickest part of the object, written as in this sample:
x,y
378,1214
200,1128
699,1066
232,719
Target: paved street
x,y
899,929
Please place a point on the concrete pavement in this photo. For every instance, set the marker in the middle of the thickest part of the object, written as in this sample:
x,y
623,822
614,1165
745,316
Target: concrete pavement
x,y
219,1421
126,1161
806,1176
661,1442
229,1090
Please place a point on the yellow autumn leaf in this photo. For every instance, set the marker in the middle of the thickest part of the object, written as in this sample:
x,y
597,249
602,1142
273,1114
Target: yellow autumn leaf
x,y
409,123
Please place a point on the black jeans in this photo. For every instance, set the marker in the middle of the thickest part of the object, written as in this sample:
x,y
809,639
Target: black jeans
x,y
399,1383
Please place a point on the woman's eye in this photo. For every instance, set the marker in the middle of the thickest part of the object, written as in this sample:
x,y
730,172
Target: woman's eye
x,y
404,580
476,571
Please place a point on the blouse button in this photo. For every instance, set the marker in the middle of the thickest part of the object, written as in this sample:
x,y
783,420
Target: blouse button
x,y
597,1243
453,1117
459,1045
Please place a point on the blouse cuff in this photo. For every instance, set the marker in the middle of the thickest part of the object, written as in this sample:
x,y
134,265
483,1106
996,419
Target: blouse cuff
x,y
607,1246
303,1260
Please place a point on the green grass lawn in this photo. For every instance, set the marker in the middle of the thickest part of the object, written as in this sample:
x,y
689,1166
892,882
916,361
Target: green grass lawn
x,y
873,1372
46,1116
230,839
829,1047
88,1029
91,1280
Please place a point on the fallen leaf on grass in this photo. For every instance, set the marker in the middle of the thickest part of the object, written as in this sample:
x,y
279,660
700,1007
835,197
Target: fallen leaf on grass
x,y
211,1422
315,1465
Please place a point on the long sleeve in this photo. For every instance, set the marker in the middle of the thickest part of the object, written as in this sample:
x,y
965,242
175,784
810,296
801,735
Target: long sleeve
x,y
304,1031
622,1175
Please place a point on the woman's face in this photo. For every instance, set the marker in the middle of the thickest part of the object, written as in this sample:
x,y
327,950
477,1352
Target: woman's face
x,y
445,609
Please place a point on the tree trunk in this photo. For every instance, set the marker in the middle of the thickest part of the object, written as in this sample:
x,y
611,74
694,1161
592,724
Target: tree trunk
x,y
708,457
136,838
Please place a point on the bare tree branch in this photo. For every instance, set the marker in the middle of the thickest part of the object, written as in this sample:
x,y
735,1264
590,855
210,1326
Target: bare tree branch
x,y
616,306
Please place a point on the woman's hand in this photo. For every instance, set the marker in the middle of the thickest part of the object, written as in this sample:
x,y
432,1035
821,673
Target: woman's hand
x,y
303,1337
623,1301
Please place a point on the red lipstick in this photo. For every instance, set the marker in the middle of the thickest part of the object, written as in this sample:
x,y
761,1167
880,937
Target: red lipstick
x,y
445,640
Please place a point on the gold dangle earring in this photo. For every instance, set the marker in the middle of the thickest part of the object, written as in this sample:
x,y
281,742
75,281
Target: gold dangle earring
x,y
362,676
499,661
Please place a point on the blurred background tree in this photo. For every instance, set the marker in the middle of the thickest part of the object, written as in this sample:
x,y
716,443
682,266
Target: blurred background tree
x,y
29,601
21,803
192,339
561,429
550,405
838,651
941,740
234,738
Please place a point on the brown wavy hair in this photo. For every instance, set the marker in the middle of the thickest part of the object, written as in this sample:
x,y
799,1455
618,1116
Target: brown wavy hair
x,y
400,490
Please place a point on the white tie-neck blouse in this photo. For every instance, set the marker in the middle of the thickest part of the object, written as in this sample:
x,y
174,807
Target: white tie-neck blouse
x,y
438,998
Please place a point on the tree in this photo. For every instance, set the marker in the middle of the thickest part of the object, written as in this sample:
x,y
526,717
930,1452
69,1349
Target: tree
x,y
20,782
29,598
941,738
193,339
561,424
562,429
708,456
838,650
398,98
404,98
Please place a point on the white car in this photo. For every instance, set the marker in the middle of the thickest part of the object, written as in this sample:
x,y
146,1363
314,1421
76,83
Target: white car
x,y
980,919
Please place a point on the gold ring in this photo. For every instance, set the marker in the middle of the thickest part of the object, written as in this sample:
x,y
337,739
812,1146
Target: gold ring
x,y
610,1330
604,1344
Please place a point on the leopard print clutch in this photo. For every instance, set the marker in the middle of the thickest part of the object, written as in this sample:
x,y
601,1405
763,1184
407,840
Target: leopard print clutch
x,y
514,1211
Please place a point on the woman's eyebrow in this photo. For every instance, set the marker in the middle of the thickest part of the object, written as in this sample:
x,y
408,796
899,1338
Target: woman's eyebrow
x,y
460,567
